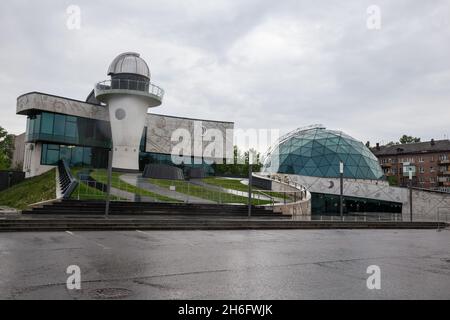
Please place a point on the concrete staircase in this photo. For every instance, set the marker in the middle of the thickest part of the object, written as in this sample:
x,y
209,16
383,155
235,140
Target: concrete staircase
x,y
123,208
72,215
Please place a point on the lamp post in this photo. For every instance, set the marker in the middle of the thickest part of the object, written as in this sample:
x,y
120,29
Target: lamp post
x,y
108,183
410,173
341,196
249,187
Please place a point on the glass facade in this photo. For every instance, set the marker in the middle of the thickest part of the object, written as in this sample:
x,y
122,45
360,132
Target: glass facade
x,y
65,129
328,204
75,156
84,142
317,152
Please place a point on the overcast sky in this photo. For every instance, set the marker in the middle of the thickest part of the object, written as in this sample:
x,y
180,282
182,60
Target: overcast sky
x,y
262,64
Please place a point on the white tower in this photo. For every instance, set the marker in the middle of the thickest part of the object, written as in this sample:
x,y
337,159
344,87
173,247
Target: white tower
x,y
128,95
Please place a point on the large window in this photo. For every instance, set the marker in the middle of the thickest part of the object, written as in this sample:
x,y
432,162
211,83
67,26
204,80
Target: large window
x,y
65,129
75,156
47,123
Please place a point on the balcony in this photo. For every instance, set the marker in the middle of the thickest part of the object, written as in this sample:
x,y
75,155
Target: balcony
x,y
386,165
446,161
105,89
444,173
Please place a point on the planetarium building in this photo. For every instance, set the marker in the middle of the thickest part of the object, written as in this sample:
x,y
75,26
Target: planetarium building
x,y
114,116
311,157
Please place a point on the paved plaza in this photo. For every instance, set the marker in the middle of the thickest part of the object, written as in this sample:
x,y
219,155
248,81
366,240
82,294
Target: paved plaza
x,y
253,264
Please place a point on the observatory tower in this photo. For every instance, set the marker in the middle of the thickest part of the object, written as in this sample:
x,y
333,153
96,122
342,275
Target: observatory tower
x,y
128,95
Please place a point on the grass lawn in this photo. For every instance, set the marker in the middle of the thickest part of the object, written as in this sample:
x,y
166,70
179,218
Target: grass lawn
x,y
101,176
236,184
204,193
29,191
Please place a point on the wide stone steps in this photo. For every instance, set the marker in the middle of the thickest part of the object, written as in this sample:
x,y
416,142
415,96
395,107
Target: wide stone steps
x,y
71,207
67,224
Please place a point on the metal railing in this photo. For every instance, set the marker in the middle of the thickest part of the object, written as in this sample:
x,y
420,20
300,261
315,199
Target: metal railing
x,y
67,183
394,217
137,189
108,86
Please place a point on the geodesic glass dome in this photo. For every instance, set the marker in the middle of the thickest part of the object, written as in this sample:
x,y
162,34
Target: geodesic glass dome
x,y
317,152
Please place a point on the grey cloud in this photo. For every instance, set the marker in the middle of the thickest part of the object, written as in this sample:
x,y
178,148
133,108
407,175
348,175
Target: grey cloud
x,y
261,64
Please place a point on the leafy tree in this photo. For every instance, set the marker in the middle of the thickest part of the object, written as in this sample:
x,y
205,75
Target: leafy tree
x,y
408,139
240,165
6,149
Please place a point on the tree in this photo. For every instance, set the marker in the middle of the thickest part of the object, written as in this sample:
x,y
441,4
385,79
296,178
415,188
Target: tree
x,y
408,139
6,149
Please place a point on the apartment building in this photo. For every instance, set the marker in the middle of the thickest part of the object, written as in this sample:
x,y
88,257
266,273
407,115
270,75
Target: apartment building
x,y
428,162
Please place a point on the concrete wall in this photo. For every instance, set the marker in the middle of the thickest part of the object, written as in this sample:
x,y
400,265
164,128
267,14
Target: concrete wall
x,y
32,160
300,209
426,204
19,151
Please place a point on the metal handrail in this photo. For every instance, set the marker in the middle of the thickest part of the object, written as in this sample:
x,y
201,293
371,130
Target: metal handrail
x,y
129,84
67,182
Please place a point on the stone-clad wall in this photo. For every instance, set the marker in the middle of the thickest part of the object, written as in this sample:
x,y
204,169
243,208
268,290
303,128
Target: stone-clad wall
x,y
45,102
160,129
426,204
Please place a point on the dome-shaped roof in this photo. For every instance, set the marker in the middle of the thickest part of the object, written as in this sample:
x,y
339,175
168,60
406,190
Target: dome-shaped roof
x,y
317,152
129,62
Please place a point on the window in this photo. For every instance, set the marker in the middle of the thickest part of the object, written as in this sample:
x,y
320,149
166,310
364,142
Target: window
x,y
71,127
68,130
421,169
59,125
50,154
75,156
87,156
47,123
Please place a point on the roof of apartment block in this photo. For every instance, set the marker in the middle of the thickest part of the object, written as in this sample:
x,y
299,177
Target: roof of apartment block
x,y
412,148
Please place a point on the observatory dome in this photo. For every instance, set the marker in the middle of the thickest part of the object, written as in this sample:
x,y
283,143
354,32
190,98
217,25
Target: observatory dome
x,y
129,63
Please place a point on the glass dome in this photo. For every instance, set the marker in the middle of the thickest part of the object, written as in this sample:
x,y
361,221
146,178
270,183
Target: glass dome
x,y
317,152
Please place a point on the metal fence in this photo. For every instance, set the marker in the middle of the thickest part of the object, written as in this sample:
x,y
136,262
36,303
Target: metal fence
x,y
126,187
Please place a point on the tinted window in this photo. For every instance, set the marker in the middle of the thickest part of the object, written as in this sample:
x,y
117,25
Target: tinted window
x,y
47,123
59,125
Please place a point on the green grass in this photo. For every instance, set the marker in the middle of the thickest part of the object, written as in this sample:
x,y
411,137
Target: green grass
x,y
235,184
101,176
32,190
204,193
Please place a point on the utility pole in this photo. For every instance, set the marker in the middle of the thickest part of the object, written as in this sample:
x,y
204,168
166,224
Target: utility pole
x,y
249,187
410,195
341,196
108,183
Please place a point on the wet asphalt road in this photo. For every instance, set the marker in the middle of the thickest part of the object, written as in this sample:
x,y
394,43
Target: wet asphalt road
x,y
279,264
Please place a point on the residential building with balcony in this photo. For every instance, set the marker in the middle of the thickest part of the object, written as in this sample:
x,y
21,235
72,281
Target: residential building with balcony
x,y
429,163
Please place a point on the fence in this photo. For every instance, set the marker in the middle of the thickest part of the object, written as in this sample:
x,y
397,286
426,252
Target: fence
x,y
126,187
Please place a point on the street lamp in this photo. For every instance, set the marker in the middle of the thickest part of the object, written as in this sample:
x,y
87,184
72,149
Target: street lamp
x,y
341,197
410,173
